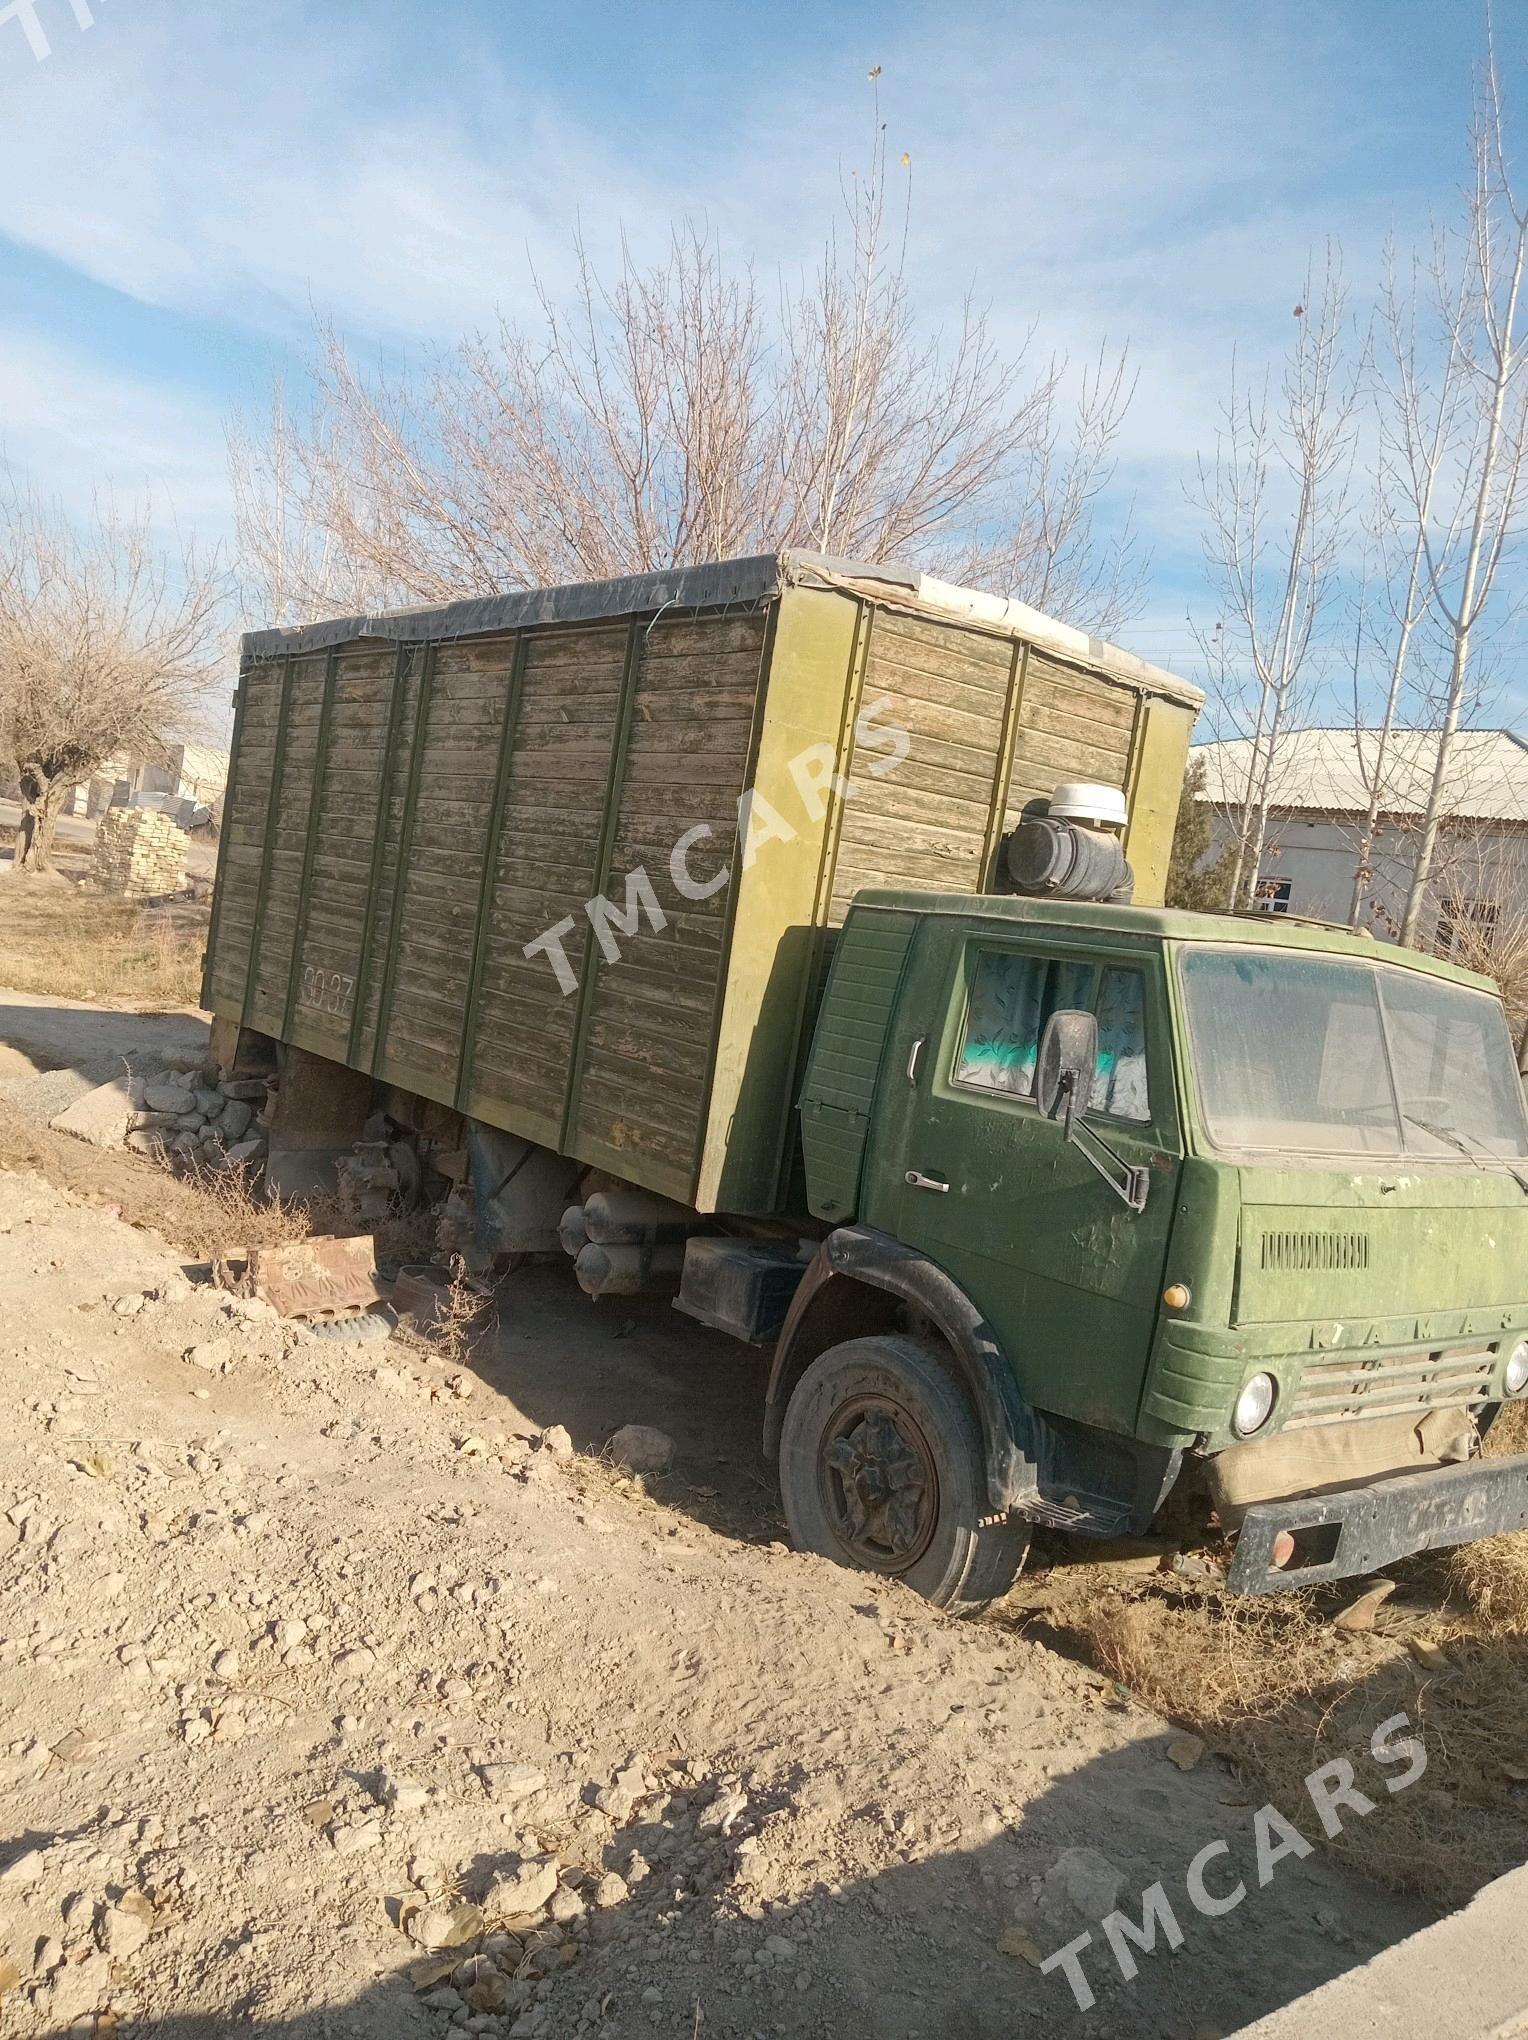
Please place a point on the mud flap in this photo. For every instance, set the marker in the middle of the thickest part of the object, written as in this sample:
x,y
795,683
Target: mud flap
x,y
1360,1529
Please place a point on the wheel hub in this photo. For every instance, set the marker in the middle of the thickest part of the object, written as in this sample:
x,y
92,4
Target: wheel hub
x,y
878,1484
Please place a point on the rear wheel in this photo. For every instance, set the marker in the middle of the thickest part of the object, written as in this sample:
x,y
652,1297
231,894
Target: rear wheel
x,y
881,1469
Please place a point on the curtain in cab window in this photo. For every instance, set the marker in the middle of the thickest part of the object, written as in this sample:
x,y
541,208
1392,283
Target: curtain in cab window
x,y
1012,997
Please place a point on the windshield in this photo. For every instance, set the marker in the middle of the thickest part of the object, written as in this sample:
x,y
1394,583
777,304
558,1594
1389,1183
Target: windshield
x,y
1316,1054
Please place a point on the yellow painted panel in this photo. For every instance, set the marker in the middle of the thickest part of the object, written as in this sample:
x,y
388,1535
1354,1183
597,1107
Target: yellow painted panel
x,y
1162,734
773,938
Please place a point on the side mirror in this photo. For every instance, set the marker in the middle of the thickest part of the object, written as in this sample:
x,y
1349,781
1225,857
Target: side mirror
x,y
1064,1067
1064,1071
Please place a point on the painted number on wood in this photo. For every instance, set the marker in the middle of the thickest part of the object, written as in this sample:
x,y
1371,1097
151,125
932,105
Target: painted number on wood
x,y
327,991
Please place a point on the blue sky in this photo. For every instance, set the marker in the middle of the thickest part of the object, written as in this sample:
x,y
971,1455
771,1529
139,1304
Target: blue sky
x,y
183,183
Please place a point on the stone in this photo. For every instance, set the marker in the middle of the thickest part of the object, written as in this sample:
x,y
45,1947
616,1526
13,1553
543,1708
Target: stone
x,y
446,1926
611,1890
725,1810
354,1664
126,1926
556,1441
640,1448
507,1783
403,1795
244,1153
226,1665
249,1090
167,1094
208,1103
356,1835
1086,1881
525,1888
1021,1942
102,1116
233,1120
211,1355
25,1869
145,1143
287,1633
79,1988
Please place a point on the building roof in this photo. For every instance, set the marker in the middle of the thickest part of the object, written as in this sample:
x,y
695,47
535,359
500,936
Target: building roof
x,y
719,584
1331,771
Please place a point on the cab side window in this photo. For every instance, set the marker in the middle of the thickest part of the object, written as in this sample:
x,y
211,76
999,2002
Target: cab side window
x,y
1012,998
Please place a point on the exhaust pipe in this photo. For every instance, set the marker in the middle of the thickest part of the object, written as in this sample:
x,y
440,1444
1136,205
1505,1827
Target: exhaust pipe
x,y
627,1270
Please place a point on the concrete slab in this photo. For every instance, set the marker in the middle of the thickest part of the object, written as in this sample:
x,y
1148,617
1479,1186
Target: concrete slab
x,y
1462,1979
101,1116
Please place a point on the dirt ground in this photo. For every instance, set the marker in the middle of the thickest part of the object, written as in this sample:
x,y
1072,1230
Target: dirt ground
x,y
60,937
332,1701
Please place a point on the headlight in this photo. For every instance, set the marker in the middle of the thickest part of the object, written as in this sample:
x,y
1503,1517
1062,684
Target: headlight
x,y
1254,1405
1515,1380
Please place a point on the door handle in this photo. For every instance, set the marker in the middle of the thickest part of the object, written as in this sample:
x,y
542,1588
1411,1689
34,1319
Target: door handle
x,y
919,1181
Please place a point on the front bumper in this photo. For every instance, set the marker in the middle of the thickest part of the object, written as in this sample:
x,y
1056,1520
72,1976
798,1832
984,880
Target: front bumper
x,y
1356,1530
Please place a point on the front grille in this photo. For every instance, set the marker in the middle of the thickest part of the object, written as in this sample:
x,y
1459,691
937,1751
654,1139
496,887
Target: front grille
x,y
1324,1252
1390,1384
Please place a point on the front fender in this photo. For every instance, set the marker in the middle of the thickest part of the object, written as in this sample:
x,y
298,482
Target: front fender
x,y
829,1305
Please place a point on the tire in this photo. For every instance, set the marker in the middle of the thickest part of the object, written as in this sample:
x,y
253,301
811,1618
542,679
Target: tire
x,y
882,1470
355,1330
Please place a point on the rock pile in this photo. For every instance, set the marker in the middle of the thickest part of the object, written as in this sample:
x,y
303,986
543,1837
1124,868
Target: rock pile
x,y
190,1123
139,854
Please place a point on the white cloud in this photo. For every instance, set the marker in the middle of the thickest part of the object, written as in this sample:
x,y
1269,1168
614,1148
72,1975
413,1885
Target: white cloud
x,y
246,164
76,428
1144,171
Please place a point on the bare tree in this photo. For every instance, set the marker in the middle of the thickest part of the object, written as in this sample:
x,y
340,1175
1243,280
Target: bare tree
x,y
1274,498
1405,482
289,567
679,412
1456,418
105,644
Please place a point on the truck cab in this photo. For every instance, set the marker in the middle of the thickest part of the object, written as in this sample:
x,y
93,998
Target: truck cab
x,y
1151,1210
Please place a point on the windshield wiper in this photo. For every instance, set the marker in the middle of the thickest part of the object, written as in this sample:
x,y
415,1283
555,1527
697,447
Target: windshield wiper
x,y
1471,1154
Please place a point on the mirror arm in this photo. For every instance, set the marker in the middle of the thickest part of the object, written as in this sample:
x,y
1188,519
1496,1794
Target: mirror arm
x,y
1129,1182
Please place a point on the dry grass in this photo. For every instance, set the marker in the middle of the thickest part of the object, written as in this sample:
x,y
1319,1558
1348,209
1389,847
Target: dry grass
x,y
1271,1684
461,1317
61,940
1491,1578
203,1217
233,1193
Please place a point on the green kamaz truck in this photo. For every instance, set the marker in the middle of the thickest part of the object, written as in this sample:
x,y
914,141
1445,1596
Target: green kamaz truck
x,y
784,935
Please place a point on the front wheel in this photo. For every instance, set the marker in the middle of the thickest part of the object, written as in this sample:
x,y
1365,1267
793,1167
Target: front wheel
x,y
881,1470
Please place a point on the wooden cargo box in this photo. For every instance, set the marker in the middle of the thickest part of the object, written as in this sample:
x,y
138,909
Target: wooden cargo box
x,y
717,758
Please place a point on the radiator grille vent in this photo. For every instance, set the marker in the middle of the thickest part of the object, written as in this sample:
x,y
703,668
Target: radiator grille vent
x,y
1317,1252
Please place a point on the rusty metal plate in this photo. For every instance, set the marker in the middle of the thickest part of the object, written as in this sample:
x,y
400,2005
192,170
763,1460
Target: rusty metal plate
x,y
325,1278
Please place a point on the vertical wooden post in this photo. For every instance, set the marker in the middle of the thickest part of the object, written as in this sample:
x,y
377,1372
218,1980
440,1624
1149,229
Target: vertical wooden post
x,y
467,1046
310,841
268,847
378,850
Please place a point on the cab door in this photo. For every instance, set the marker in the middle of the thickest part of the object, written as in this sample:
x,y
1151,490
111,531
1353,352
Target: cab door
x,y
1067,1275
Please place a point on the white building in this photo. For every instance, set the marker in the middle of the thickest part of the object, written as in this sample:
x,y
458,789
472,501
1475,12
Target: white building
x,y
1320,796
194,772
